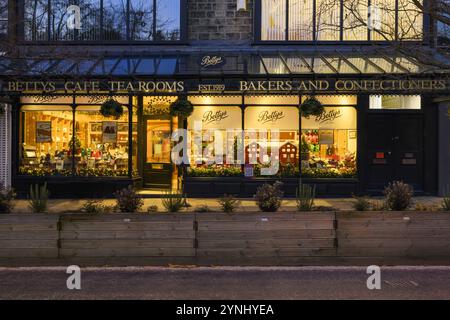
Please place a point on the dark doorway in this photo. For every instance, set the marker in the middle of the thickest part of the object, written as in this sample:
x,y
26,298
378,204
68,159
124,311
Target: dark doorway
x,y
395,148
157,171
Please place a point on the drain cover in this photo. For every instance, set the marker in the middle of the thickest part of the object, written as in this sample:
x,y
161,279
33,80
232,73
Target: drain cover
x,y
402,283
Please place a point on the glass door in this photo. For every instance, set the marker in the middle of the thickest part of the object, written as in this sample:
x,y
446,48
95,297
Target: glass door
x,y
157,148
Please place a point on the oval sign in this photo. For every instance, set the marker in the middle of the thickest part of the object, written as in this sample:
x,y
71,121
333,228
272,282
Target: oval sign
x,y
211,61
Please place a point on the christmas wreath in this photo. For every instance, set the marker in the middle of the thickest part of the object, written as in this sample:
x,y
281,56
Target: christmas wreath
x,y
111,108
181,107
311,107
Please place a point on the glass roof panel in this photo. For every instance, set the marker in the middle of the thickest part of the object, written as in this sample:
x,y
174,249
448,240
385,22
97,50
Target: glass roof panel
x,y
40,67
104,67
85,65
363,65
146,66
297,65
63,66
340,65
408,64
318,65
385,65
274,65
167,66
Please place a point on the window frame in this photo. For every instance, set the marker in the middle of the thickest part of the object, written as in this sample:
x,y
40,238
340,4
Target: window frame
x,y
257,24
49,41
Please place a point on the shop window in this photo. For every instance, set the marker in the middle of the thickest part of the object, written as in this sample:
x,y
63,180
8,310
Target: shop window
x,y
267,128
46,135
395,102
214,134
328,144
101,143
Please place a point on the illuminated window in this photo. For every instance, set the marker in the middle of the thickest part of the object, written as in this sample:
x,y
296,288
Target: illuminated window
x,y
395,102
328,144
292,20
101,143
46,135
355,20
327,20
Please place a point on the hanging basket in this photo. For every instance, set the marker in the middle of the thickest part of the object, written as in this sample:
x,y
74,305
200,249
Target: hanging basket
x,y
111,108
181,107
311,107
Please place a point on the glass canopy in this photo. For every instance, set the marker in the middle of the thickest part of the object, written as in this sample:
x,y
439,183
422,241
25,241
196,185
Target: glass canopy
x,y
261,63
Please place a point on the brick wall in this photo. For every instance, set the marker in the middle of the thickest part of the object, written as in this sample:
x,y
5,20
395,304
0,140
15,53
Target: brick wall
x,y
219,20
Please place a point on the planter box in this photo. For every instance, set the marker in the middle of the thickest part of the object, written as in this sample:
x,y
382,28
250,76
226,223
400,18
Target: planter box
x,y
211,187
74,187
255,238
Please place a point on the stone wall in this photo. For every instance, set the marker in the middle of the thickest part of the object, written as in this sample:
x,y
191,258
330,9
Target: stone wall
x,y
219,20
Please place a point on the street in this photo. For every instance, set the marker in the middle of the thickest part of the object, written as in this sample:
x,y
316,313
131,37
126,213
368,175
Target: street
x,y
253,283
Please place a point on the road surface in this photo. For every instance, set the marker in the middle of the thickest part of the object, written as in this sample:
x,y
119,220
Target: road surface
x,y
226,283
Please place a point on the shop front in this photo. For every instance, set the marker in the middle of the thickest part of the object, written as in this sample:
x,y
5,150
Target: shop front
x,y
246,127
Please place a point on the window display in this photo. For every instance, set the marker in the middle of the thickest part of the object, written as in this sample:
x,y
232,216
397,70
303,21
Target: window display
x,y
269,127
219,128
328,144
101,144
99,148
46,140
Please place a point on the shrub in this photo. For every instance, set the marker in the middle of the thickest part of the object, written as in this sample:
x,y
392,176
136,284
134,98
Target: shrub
x,y
378,205
38,201
152,209
93,206
128,200
228,203
173,202
305,197
425,207
269,197
398,195
6,200
361,203
203,208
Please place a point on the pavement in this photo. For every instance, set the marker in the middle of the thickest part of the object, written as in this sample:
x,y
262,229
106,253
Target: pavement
x,y
225,283
247,205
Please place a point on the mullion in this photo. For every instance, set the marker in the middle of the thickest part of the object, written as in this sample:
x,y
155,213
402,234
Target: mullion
x,y
154,20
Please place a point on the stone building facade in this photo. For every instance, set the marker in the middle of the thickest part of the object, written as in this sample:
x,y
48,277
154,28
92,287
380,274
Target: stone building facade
x,y
219,20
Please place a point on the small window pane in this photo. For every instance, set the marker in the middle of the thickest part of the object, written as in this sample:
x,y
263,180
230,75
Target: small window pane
x,y
141,20
363,65
410,20
328,20
36,19
300,20
382,21
297,65
273,20
3,17
340,65
355,20
114,19
395,102
167,66
167,20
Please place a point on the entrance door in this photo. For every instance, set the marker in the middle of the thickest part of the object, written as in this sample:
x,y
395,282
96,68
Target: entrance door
x,y
157,171
394,150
